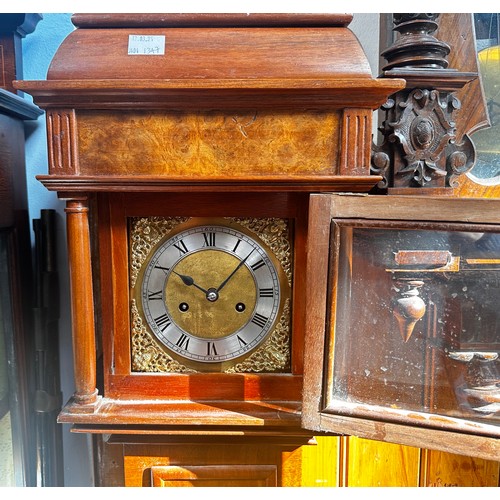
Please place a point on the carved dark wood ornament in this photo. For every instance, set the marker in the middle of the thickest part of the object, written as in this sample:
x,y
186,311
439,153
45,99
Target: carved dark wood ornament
x,y
417,46
420,147
419,144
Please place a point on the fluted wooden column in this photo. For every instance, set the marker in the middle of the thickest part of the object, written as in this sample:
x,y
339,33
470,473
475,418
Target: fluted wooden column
x,y
82,305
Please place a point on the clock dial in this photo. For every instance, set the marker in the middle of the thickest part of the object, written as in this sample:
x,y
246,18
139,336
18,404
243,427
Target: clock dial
x,y
211,293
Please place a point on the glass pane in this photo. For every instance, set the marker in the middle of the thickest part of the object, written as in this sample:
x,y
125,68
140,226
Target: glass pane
x,y
417,320
487,141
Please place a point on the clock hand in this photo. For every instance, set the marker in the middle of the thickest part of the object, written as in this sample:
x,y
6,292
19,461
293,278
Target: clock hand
x,y
223,284
187,280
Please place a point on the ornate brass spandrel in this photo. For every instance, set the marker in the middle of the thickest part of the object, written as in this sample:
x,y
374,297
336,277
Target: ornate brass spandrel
x,y
145,233
274,355
147,355
275,233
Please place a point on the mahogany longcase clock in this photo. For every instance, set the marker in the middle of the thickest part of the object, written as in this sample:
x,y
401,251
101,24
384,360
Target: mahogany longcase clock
x,y
223,250
187,148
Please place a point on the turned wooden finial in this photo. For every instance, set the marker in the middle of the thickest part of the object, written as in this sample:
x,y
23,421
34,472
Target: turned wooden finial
x,y
416,47
408,306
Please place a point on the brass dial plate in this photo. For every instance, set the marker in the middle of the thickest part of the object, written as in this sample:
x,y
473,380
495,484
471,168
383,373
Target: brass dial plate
x,y
214,297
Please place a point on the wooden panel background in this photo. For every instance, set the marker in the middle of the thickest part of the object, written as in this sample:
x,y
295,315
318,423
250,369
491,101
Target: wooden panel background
x,y
356,462
328,461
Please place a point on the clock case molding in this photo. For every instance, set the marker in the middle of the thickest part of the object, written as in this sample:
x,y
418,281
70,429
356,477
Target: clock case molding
x,y
244,116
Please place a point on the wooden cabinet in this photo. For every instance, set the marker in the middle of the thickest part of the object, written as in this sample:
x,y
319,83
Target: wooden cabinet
x,y
191,151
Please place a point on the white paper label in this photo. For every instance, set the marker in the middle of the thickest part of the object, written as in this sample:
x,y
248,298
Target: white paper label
x,y
146,45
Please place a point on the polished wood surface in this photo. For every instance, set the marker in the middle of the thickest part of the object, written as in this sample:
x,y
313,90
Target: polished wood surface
x,y
82,304
255,53
212,144
221,463
220,20
324,462
458,31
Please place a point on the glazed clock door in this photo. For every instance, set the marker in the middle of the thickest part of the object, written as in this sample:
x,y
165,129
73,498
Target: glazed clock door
x,y
406,349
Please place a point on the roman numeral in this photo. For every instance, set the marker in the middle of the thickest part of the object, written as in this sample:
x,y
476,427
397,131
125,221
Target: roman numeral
x,y
155,295
211,350
259,320
209,239
183,342
181,246
236,246
164,269
241,341
258,265
163,322
266,292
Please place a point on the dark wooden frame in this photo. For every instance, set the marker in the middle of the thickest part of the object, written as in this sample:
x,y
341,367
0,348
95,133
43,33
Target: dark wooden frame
x,y
453,435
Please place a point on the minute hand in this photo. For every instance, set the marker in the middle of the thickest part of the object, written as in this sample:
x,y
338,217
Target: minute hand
x,y
223,284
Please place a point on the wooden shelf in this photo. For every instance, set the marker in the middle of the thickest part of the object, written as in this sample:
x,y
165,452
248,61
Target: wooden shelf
x,y
110,415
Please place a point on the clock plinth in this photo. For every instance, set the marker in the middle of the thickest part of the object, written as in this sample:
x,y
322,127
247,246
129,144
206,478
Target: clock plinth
x,y
181,119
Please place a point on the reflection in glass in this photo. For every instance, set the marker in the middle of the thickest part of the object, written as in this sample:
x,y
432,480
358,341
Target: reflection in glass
x,y
7,451
487,141
417,321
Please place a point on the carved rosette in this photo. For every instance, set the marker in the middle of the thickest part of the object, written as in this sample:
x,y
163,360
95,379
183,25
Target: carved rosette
x,y
419,148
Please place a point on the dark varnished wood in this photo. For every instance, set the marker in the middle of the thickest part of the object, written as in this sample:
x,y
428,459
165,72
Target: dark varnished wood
x,y
457,30
13,28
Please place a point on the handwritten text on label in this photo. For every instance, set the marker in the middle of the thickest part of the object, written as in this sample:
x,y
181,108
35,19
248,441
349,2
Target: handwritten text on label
x,y
146,45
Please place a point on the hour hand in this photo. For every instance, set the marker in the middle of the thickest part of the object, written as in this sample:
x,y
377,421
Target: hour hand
x,y
187,280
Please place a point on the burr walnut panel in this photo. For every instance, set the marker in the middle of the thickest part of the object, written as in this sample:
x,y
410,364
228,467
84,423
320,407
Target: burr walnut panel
x,y
208,143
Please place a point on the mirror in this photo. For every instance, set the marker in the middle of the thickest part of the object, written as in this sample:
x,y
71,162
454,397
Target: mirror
x,y
487,141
